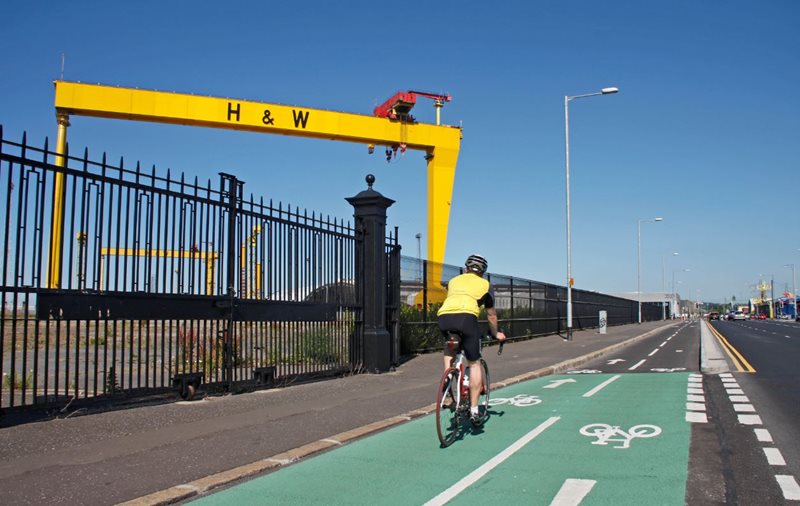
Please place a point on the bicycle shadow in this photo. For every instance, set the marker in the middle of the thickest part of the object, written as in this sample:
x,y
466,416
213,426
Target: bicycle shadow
x,y
469,428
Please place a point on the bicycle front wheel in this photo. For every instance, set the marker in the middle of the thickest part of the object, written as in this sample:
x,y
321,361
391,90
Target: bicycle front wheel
x,y
447,408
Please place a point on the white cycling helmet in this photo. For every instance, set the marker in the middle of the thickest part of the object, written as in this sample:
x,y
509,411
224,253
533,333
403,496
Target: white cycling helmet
x,y
476,264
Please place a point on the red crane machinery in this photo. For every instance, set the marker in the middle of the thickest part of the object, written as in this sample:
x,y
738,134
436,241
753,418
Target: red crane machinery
x,y
398,107
401,103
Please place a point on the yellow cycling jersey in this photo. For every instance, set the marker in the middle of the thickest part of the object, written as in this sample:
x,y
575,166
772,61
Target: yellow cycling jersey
x,y
465,294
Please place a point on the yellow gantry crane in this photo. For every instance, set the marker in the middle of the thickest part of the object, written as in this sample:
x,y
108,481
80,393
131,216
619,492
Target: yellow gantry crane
x,y
391,126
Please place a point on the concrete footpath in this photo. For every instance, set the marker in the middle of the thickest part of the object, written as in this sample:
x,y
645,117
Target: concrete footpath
x,y
169,452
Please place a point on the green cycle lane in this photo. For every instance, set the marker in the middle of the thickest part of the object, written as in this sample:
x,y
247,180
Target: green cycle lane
x,y
586,439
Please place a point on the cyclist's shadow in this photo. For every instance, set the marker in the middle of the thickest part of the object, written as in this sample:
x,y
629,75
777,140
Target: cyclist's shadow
x,y
472,429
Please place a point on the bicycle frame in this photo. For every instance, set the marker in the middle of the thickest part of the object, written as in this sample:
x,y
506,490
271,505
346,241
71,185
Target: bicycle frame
x,y
458,363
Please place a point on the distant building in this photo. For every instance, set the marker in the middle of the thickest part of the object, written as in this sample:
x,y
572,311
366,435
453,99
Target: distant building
x,y
673,302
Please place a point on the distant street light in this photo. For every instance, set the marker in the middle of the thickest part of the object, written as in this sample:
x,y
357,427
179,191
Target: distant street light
x,y
674,294
419,255
567,100
794,292
639,260
664,288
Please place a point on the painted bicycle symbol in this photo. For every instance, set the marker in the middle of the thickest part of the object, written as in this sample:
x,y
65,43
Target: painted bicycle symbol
x,y
606,433
520,401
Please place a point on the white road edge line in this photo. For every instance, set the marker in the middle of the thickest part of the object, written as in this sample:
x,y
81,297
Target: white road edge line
x,y
490,464
637,364
602,385
572,492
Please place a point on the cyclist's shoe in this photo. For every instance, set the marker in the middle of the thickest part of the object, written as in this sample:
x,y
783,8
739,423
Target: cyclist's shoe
x,y
476,419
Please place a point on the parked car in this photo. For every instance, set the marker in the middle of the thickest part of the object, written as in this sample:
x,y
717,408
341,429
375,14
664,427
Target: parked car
x,y
738,315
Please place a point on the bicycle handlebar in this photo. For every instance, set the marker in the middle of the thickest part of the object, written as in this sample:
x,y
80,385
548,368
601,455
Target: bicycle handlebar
x,y
502,343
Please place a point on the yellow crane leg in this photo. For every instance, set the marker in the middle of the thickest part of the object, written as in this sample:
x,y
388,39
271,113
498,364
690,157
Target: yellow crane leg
x,y
441,176
59,187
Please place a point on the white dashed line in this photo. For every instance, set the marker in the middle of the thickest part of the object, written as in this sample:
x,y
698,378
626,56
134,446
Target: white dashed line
x,y
763,435
572,492
774,457
637,364
789,486
787,483
490,464
750,420
696,417
653,352
602,385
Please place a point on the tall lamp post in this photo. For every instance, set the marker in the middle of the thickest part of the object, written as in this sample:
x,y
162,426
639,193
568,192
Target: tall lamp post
x,y
567,100
664,287
639,260
794,292
419,255
674,294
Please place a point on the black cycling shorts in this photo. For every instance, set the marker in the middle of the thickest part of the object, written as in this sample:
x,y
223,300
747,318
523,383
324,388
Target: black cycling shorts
x,y
467,324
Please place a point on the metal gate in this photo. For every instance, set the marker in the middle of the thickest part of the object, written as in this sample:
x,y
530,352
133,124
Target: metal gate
x,y
165,283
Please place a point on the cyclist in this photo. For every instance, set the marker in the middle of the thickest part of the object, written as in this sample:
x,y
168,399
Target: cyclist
x,y
466,293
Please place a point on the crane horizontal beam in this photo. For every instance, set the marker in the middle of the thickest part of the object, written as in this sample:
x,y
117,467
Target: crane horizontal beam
x,y
234,114
441,143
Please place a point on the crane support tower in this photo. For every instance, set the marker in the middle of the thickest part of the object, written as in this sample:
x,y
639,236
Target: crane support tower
x,y
392,127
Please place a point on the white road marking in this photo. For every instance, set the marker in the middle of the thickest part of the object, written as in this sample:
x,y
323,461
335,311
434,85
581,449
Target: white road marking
x,y
694,390
601,386
728,380
637,364
653,352
695,406
558,383
739,398
789,486
662,344
696,417
726,375
763,435
735,391
490,464
572,492
696,398
695,380
774,457
744,408
750,420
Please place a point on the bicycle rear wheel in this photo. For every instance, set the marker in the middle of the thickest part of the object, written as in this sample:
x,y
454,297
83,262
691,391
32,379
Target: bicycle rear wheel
x,y
483,399
447,408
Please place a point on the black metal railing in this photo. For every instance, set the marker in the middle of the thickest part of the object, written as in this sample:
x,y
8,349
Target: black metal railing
x,y
117,279
525,308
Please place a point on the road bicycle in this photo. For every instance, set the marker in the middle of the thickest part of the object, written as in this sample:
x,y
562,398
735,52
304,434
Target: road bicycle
x,y
453,400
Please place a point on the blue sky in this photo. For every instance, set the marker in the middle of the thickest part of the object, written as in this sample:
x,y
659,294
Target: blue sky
x,y
704,132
